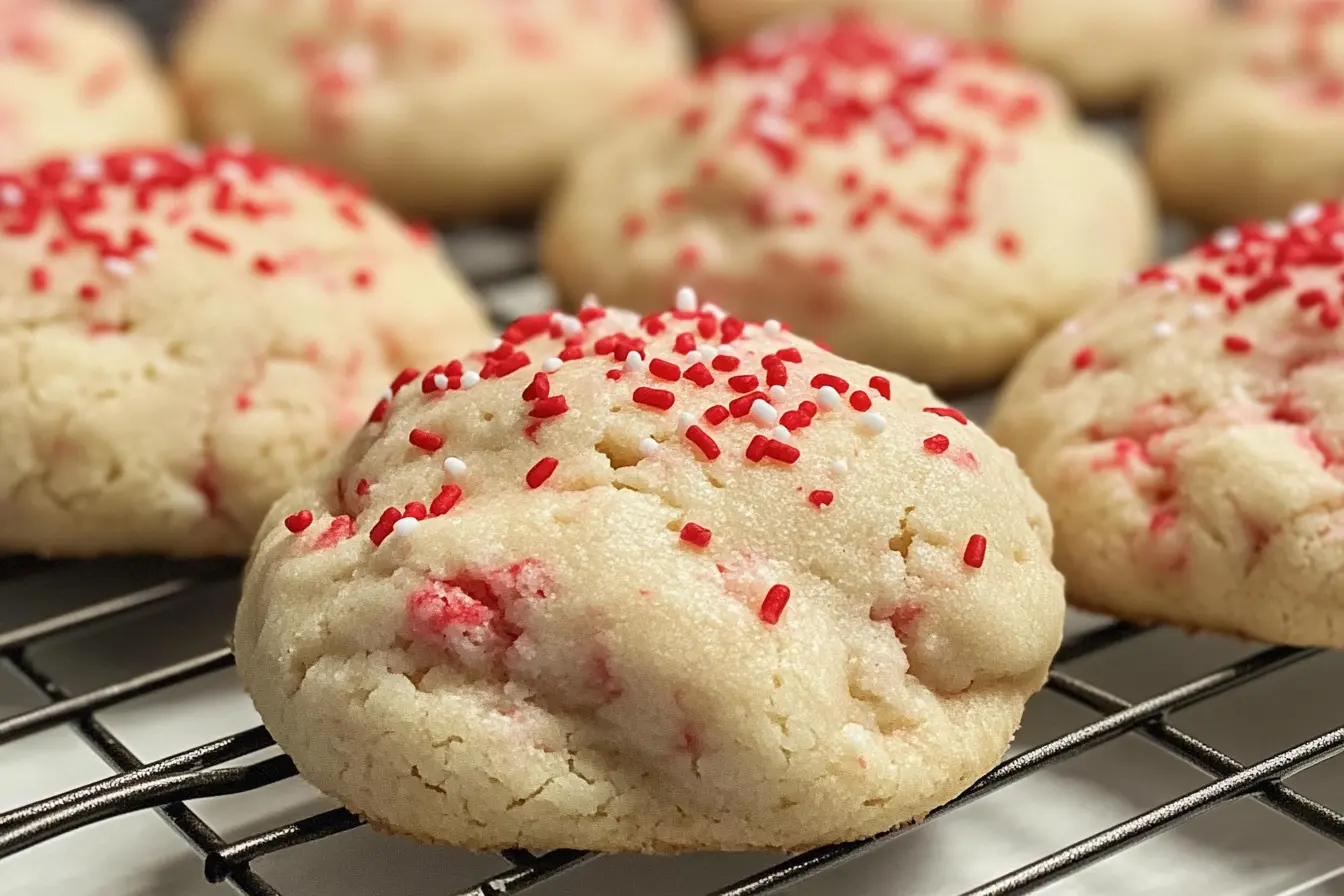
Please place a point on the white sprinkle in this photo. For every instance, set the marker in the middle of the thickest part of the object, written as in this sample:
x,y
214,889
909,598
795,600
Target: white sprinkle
x,y
839,467
772,327
763,413
470,378
648,446
687,300
496,345
828,398
1306,213
685,421
87,167
188,152
1163,329
387,395
454,467
589,301
694,357
231,172
776,393
872,423
570,325
551,365
727,350
1274,229
1227,239
1070,326
143,168
146,255
714,310
239,143
1201,310
11,195
706,352
357,60
781,434
634,362
118,266
440,381
405,526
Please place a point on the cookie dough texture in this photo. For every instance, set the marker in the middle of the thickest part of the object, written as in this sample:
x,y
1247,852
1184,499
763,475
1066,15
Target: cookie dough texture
x,y
184,334
1188,434
1106,52
1254,134
76,77
554,656
445,109
919,205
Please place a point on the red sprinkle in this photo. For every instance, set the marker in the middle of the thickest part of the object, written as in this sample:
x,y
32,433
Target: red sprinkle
x,y
756,448
743,383
937,444
664,370
545,408
702,440
383,528
38,279
208,240
654,398
974,555
699,374
781,451
776,599
1238,345
827,379
426,440
881,385
298,522
696,535
1084,358
541,471
951,413
860,400
715,414
821,497
726,363
446,499
740,407
540,387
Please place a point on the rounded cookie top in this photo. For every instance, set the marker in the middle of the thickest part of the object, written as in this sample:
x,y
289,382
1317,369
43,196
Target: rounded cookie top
x,y
1105,52
1251,135
921,205
482,100
76,77
660,584
184,332
1189,436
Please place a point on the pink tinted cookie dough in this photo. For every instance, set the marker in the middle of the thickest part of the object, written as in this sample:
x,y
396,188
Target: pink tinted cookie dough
x,y
661,584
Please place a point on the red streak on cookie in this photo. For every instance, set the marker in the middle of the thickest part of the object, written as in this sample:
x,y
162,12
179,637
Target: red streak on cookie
x,y
340,528
950,413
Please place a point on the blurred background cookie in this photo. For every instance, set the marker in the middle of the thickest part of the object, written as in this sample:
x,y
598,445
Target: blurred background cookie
x,y
184,334
920,205
445,109
1188,434
76,77
1106,52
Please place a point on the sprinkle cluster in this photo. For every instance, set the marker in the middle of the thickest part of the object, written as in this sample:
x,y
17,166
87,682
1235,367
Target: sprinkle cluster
x,y
119,205
826,86
1313,25
732,376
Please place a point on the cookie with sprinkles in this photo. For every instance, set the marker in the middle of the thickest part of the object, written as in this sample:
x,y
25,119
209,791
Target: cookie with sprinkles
x,y
924,206
662,584
1108,53
75,77
1188,433
183,335
1255,134
454,109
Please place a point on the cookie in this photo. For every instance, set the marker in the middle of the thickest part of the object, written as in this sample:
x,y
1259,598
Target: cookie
x,y
1253,136
1188,434
659,584
76,78
1107,53
184,333
919,205
445,109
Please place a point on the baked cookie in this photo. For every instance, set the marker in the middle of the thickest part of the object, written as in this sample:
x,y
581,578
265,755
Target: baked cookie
x,y
1106,52
183,334
76,77
447,109
654,584
1188,434
919,205
1256,134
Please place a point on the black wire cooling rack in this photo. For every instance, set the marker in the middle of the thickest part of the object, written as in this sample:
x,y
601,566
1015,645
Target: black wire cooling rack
x,y
200,772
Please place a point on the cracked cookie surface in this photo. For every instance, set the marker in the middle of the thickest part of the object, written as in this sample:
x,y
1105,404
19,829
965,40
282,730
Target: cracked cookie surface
x,y
918,204
655,584
183,334
453,109
1188,433
76,76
